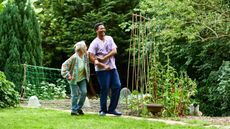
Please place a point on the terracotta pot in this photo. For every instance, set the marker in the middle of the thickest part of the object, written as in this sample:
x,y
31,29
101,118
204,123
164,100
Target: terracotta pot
x,y
154,108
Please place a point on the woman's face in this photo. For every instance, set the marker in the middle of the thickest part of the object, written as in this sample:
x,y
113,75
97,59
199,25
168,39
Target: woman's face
x,y
85,49
82,50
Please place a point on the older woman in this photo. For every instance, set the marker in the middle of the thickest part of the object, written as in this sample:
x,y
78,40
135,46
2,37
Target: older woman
x,y
76,71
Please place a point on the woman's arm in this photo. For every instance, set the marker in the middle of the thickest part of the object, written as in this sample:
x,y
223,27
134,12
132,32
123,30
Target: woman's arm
x,y
66,68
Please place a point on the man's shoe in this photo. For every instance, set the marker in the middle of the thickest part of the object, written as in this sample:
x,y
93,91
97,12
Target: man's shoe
x,y
80,112
115,113
102,113
74,114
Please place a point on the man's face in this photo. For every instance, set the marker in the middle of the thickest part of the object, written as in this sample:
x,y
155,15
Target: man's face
x,y
101,30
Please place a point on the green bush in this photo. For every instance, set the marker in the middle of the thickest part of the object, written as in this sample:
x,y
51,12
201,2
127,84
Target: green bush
x,y
47,90
8,96
218,95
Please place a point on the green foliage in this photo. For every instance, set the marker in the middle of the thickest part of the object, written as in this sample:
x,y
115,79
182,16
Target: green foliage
x,y
47,90
195,34
136,103
171,89
165,86
8,96
20,40
218,94
171,19
1,6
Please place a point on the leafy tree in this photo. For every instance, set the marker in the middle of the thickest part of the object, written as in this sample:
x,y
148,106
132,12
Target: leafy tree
x,y
63,23
20,39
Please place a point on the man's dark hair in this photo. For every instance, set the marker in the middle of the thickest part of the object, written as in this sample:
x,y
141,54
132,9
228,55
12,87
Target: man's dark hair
x,y
97,24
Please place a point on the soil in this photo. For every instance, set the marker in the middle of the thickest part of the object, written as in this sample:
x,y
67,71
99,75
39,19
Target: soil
x,y
65,104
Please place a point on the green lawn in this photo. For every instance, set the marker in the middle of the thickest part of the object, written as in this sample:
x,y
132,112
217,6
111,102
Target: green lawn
x,y
37,118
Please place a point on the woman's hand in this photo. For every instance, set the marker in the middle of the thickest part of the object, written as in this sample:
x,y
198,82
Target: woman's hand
x,y
69,77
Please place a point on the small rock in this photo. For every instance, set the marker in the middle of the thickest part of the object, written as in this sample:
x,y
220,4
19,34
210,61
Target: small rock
x,y
33,102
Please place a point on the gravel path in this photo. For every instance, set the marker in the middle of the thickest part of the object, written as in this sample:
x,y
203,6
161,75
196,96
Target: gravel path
x,y
93,106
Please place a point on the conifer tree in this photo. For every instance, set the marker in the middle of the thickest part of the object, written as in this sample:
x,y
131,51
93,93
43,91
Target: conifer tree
x,y
20,40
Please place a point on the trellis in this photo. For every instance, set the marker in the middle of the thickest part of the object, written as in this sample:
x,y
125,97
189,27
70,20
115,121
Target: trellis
x,y
140,53
35,75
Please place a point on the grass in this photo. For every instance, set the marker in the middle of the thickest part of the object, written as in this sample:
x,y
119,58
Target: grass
x,y
38,118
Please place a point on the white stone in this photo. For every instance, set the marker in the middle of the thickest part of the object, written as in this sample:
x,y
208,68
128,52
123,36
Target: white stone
x,y
124,93
194,110
34,102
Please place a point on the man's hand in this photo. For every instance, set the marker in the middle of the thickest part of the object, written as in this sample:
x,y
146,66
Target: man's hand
x,y
107,67
101,59
98,61
101,65
112,53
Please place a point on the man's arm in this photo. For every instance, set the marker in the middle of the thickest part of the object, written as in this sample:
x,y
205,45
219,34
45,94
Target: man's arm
x,y
112,53
96,62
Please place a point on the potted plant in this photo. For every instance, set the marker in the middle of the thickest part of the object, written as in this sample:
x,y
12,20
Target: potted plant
x,y
154,108
151,106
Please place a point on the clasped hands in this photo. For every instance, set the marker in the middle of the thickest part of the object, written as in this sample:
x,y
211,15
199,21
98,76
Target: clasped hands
x,y
98,62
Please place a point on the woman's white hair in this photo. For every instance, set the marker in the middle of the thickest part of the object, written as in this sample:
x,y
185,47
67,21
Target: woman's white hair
x,y
79,46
